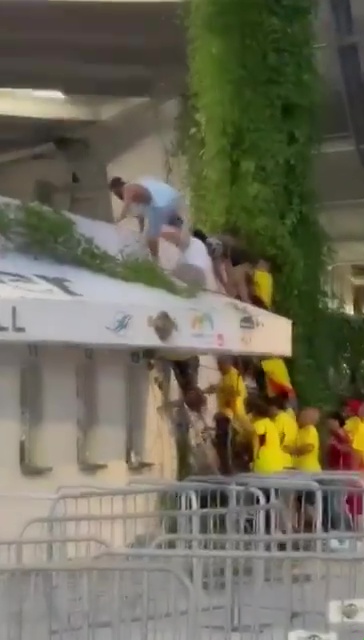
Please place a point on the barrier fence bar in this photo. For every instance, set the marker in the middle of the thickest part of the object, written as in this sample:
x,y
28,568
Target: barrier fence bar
x,y
79,600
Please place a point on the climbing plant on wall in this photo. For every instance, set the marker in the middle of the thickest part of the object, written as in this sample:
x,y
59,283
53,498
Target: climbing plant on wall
x,y
39,230
250,135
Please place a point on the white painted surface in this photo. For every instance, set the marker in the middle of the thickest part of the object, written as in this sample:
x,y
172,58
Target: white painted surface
x,y
22,497
109,441
108,312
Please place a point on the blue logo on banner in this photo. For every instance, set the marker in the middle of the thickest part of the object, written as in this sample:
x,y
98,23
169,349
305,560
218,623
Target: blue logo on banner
x,y
121,323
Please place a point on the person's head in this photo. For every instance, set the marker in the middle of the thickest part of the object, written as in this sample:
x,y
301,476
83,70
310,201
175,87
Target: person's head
x,y
116,186
262,264
335,422
258,407
215,248
352,407
224,363
257,302
277,404
308,416
245,366
361,411
200,235
195,399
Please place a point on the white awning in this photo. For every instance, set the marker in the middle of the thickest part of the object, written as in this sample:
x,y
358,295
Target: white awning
x,y
44,302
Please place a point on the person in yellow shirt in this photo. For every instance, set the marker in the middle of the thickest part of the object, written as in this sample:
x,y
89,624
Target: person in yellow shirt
x,y
307,459
230,390
267,452
231,394
263,282
307,447
354,427
286,425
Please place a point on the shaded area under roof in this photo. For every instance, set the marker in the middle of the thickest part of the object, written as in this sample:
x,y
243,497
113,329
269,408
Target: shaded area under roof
x,y
139,49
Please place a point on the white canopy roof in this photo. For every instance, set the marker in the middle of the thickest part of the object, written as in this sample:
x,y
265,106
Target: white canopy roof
x,y
45,302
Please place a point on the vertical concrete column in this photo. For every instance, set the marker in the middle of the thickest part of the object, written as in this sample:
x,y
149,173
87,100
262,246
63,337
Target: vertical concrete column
x,y
107,438
341,285
90,196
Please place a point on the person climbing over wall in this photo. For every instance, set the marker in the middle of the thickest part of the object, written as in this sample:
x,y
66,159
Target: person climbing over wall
x,y
232,264
157,203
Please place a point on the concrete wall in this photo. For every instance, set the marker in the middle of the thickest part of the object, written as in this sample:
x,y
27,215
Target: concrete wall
x,y
89,196
18,178
56,438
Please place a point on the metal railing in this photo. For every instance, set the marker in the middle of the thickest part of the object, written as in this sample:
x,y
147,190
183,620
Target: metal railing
x,y
205,558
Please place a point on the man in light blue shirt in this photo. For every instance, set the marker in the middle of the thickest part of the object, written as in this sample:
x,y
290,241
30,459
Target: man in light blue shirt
x,y
159,204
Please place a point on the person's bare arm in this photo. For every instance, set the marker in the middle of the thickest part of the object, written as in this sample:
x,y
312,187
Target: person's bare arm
x,y
172,235
153,246
141,223
237,280
170,404
134,194
303,450
230,285
219,273
343,447
229,241
245,424
212,388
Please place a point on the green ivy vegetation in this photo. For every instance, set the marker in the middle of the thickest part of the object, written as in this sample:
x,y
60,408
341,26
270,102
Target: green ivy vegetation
x,y
40,230
249,133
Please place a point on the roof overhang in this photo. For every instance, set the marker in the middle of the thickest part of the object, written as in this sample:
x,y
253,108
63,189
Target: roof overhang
x,y
54,105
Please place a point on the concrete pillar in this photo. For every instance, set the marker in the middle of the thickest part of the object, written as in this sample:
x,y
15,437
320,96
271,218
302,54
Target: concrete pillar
x,y
341,286
107,439
90,196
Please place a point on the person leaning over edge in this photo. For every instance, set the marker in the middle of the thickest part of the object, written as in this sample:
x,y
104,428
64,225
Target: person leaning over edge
x,y
232,265
156,203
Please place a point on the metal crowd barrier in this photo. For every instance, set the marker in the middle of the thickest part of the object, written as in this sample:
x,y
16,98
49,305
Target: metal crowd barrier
x,y
232,573
79,601
16,508
113,528
270,594
138,513
332,493
43,549
141,594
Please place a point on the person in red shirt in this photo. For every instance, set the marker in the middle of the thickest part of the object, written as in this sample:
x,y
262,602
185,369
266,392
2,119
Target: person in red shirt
x,y
351,407
340,456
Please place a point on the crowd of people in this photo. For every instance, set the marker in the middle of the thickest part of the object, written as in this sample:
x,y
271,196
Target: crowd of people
x,y
159,210
255,429
258,425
